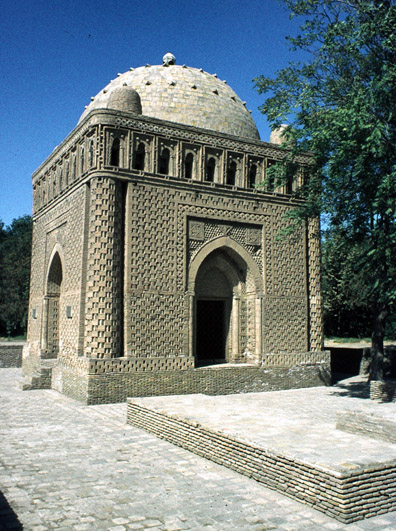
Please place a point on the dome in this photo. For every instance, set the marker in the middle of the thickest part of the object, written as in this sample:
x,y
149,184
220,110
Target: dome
x,y
125,99
178,94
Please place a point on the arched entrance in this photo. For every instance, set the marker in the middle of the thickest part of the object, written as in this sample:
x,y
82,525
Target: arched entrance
x,y
213,299
225,286
51,307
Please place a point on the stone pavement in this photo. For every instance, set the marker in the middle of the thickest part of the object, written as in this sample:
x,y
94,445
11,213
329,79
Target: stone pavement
x,y
73,467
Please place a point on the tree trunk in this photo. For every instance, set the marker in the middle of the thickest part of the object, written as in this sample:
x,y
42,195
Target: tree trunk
x,y
377,343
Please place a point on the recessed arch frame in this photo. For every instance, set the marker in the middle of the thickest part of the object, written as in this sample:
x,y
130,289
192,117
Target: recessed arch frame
x,y
47,298
56,249
244,261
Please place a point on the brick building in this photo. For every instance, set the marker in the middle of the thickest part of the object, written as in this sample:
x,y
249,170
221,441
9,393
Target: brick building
x,y
156,268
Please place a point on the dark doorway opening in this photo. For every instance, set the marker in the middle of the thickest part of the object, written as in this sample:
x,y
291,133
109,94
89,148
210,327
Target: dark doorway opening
x,y
211,332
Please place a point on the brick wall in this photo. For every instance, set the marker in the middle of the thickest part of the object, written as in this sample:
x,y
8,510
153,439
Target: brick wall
x,y
10,355
109,386
383,391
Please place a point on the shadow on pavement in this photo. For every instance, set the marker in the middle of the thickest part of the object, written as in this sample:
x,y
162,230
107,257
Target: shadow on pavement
x,y
8,518
353,389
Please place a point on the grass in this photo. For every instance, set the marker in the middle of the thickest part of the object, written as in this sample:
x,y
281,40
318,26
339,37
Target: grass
x,y
13,338
346,340
349,339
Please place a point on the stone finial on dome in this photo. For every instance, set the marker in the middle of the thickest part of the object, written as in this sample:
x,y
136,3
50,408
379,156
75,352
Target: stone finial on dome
x,y
168,59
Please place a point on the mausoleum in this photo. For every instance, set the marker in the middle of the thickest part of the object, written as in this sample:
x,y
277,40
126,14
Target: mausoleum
x,y
156,266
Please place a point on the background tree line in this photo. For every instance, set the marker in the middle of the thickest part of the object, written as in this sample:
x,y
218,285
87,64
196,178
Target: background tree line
x,y
346,283
15,253
346,292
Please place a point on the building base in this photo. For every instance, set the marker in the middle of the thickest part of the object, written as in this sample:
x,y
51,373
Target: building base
x,y
95,381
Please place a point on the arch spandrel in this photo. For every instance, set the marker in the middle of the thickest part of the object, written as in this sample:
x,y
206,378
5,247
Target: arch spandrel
x,y
236,251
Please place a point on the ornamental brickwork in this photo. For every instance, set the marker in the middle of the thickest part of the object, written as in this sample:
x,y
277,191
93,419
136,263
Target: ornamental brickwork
x,y
156,251
104,290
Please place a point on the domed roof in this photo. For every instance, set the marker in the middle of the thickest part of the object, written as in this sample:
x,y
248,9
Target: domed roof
x,y
178,94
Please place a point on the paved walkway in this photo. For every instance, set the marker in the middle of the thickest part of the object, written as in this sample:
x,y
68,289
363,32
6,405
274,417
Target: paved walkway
x,y
73,467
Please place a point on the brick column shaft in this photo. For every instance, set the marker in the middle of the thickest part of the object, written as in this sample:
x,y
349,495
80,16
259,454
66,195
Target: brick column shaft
x,y
314,286
104,293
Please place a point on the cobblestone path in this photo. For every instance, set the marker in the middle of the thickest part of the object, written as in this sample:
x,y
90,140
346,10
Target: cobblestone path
x,y
66,466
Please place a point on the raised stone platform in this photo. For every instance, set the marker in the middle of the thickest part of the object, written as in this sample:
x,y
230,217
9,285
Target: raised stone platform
x,y
287,440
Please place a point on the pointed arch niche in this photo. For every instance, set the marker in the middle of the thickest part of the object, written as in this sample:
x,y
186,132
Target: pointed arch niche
x,y
225,287
51,317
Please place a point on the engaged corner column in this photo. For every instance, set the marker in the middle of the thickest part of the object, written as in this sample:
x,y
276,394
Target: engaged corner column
x,y
314,287
104,292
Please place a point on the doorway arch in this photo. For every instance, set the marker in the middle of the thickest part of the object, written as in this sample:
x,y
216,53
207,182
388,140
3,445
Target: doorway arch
x,y
52,297
225,283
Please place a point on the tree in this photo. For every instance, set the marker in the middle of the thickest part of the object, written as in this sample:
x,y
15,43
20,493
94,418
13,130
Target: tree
x,y
15,252
340,104
346,292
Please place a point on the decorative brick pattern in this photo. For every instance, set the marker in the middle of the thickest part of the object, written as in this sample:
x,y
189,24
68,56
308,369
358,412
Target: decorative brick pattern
x,y
194,135
250,237
314,283
159,327
127,239
289,268
214,222
285,326
103,317
152,260
287,359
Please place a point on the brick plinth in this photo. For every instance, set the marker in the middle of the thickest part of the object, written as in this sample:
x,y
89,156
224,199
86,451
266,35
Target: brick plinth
x,y
110,381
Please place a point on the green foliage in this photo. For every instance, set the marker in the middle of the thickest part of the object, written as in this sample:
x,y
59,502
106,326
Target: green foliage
x,y
15,252
341,106
346,296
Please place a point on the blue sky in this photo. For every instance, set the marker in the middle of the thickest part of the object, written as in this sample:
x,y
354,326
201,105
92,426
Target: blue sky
x,y
55,55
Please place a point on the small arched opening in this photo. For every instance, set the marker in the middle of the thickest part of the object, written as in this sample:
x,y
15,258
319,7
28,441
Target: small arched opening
x,y
252,176
115,153
140,155
231,173
74,166
188,165
82,160
91,154
210,170
164,162
289,185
